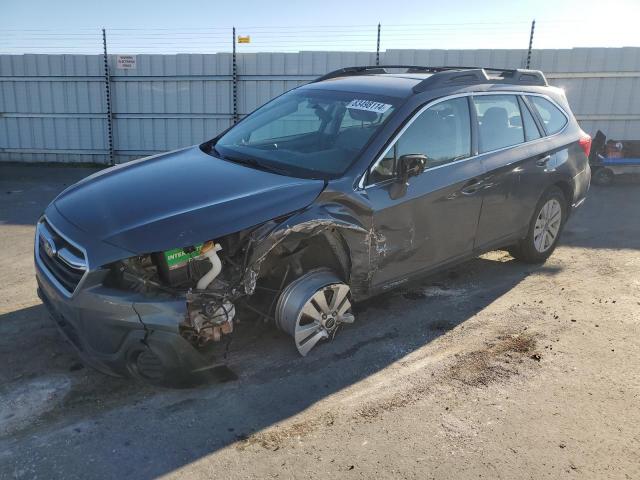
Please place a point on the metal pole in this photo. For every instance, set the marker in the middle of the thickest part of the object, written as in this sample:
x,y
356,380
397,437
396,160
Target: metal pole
x,y
107,92
533,27
378,47
234,76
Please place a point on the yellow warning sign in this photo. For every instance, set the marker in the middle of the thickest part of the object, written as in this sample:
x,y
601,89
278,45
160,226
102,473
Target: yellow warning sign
x,y
244,39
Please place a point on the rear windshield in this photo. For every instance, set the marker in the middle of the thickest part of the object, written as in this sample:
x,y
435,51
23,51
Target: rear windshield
x,y
307,133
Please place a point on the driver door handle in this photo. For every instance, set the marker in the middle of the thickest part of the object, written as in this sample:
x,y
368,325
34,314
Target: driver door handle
x,y
542,162
472,187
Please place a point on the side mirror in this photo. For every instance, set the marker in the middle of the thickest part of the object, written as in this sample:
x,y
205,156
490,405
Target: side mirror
x,y
409,166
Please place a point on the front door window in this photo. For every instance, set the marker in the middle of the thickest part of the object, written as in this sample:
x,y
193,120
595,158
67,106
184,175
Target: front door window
x,y
442,133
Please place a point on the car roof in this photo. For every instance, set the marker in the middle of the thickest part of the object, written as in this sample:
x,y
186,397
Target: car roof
x,y
381,80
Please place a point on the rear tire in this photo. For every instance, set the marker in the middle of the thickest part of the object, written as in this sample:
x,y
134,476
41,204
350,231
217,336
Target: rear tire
x,y
544,229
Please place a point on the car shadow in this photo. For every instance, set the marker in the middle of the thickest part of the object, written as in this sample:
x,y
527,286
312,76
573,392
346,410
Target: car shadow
x,y
159,430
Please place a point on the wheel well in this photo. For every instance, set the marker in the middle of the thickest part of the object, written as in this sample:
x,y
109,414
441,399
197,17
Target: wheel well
x,y
327,250
299,254
566,190
293,257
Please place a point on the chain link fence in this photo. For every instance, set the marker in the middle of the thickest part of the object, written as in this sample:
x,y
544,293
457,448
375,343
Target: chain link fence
x,y
117,94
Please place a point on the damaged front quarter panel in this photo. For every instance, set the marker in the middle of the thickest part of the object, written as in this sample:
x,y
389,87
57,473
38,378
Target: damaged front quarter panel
x,y
357,247
333,232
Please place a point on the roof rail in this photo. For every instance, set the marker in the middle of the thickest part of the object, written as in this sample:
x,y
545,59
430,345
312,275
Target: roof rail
x,y
374,69
448,75
475,76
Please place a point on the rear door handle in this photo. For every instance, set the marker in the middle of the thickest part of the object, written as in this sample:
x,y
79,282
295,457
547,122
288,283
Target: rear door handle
x,y
542,162
472,187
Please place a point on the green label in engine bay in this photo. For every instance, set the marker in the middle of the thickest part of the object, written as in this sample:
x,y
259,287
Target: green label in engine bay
x,y
177,257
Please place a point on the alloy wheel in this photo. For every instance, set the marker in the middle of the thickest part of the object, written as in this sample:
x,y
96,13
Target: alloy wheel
x,y
312,308
547,227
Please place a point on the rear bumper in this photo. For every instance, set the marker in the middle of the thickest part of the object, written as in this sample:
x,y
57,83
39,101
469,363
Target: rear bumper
x,y
124,334
581,184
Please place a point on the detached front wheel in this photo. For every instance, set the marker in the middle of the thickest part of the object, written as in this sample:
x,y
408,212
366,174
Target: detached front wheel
x,y
312,308
544,230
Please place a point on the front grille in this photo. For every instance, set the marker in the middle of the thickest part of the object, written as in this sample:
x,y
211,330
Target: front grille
x,y
64,261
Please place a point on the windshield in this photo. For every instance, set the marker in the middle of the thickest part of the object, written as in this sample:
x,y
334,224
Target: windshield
x,y
306,133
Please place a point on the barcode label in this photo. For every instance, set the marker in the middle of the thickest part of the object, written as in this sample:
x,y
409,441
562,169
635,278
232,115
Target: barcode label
x,y
369,106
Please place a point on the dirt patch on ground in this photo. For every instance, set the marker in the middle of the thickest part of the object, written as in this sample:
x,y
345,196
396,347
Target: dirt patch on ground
x,y
275,438
477,368
496,362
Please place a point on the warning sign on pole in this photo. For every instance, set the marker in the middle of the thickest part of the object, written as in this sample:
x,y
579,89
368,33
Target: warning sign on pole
x,y
125,62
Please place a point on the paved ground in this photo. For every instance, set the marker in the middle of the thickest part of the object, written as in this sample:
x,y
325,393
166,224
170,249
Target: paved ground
x,y
492,370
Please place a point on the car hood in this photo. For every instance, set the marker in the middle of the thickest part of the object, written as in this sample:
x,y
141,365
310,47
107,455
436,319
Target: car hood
x,y
178,199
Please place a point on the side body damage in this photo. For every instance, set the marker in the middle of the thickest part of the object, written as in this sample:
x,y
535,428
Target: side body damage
x,y
257,263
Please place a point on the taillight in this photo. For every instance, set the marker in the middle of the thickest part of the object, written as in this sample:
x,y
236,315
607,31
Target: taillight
x,y
585,144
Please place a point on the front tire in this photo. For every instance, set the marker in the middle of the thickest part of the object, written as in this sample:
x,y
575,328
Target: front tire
x,y
312,308
544,230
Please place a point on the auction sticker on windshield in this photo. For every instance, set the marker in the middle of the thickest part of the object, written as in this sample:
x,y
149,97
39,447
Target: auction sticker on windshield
x,y
369,105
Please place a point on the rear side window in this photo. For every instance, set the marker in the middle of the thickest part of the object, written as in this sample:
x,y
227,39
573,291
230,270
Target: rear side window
x,y
531,131
499,121
552,118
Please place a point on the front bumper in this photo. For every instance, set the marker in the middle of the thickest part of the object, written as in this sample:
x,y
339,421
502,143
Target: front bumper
x,y
123,333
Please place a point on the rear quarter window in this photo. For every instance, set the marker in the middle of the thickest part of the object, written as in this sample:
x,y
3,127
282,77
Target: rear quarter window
x,y
552,117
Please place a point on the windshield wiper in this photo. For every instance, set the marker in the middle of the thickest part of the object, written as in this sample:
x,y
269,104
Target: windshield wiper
x,y
252,162
255,163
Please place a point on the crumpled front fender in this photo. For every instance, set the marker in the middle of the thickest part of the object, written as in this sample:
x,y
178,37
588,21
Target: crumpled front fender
x,y
331,219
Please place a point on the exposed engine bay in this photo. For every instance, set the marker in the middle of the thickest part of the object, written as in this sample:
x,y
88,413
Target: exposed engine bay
x,y
195,273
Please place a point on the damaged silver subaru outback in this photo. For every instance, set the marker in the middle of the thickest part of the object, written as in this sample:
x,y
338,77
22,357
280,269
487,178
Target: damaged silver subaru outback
x,y
334,191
